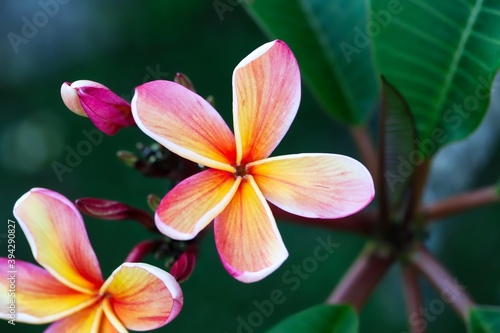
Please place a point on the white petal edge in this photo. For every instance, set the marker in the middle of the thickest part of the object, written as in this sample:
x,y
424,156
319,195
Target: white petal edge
x,y
168,280
249,277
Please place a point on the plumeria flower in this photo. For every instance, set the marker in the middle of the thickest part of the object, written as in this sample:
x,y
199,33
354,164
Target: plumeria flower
x,y
108,111
69,290
241,175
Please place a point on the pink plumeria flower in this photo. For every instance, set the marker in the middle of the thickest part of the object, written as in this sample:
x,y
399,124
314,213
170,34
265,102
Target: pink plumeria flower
x,y
69,290
108,111
266,96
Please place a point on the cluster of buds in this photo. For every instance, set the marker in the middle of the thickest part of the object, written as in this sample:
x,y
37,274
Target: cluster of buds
x,y
180,256
110,113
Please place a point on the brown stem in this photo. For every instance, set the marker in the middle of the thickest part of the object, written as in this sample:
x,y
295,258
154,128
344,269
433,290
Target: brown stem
x,y
142,249
360,280
419,182
450,291
460,203
413,298
367,150
362,222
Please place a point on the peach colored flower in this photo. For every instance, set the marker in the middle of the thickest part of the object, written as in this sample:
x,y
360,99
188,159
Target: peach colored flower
x,y
69,290
241,175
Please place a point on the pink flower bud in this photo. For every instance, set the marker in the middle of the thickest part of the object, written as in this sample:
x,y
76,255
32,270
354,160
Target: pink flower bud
x,y
108,111
184,266
142,249
114,210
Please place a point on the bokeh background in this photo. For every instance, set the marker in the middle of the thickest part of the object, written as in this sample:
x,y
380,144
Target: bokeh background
x,y
125,43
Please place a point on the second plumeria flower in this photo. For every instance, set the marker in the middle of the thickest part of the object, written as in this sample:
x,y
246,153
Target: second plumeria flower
x,y
266,96
68,288
108,111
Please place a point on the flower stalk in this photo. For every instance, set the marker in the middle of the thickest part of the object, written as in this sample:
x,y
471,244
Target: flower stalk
x,y
443,282
413,297
363,276
460,203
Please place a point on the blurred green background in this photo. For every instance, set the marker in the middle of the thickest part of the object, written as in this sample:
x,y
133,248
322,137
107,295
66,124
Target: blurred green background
x,y
125,43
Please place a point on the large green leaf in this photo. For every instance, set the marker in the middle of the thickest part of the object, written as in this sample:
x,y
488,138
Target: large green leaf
x,y
321,35
442,57
398,155
320,319
484,319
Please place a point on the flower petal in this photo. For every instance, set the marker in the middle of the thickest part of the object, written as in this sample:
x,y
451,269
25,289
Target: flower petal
x,y
314,185
39,297
58,239
184,123
106,110
266,96
143,297
87,320
107,326
194,203
246,235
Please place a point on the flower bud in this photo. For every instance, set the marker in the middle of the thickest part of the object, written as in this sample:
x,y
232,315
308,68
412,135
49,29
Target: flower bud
x,y
184,81
108,111
153,202
184,266
142,249
114,210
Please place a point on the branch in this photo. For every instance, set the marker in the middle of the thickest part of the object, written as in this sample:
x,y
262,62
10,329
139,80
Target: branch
x,y
459,203
363,276
413,297
451,292
367,151
362,222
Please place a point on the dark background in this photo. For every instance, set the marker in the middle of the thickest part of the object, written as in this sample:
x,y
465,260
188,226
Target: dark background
x,y
125,43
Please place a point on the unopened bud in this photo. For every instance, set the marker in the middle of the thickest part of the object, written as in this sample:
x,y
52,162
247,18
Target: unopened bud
x,y
184,266
128,158
153,202
211,100
108,111
114,210
142,249
183,80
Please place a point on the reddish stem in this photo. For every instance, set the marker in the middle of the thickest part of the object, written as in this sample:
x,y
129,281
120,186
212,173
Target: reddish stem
x,y
358,283
367,150
362,222
460,203
450,291
413,297
142,249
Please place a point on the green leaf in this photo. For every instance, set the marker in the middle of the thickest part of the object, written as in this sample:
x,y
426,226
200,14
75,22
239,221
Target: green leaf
x,y
321,33
484,319
320,319
397,145
442,56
